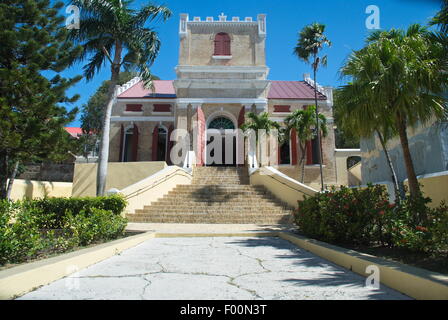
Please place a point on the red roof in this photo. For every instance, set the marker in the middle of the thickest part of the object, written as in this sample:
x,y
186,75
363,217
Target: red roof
x,y
293,90
279,90
162,89
74,131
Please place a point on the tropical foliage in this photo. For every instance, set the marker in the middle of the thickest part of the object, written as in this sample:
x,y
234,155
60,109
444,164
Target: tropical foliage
x,y
38,228
256,124
112,32
310,42
33,52
395,83
303,123
365,216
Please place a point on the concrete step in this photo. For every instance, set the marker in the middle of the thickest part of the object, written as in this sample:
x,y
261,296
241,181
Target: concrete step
x,y
223,220
179,210
217,202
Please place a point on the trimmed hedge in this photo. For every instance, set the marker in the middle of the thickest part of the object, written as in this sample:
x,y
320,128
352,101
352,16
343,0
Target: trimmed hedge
x,y
365,217
52,211
29,229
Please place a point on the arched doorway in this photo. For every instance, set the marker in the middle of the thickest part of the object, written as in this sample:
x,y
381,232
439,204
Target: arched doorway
x,y
221,127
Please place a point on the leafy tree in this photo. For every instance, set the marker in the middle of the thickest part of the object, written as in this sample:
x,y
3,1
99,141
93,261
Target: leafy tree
x,y
310,42
304,123
92,114
32,40
357,116
258,122
441,18
111,32
398,75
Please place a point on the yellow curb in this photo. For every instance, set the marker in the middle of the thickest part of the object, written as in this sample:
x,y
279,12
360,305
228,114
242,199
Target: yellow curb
x,y
19,280
415,282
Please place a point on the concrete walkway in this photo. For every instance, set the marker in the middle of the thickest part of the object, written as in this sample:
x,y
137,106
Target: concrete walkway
x,y
213,268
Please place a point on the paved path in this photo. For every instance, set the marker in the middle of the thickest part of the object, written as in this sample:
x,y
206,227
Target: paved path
x,y
213,268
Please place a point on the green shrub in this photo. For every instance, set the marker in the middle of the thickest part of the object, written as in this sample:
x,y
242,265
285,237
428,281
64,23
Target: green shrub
x,y
365,217
96,225
344,216
20,237
51,212
34,227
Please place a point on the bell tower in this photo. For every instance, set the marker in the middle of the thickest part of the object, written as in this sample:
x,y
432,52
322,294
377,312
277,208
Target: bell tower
x,y
222,58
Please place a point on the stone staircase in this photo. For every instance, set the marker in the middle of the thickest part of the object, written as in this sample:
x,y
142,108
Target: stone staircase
x,y
216,195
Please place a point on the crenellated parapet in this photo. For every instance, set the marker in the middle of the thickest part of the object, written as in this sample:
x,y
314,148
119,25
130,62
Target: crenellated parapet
x,y
222,19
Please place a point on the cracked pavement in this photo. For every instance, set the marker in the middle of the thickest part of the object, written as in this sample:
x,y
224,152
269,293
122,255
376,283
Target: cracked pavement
x,y
227,268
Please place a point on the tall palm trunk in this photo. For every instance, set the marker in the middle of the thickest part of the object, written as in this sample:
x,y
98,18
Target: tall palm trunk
x,y
317,123
398,193
103,157
414,188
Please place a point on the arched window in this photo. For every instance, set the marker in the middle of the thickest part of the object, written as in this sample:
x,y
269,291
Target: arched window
x,y
222,44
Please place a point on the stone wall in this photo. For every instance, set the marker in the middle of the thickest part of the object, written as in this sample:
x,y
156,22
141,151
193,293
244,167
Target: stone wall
x,y
60,172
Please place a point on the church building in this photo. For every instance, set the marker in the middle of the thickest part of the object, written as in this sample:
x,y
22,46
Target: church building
x,y
221,75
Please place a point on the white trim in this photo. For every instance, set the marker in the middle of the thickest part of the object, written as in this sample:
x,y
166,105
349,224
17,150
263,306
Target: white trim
x,y
431,175
149,99
221,69
141,119
221,113
134,113
222,57
222,100
162,113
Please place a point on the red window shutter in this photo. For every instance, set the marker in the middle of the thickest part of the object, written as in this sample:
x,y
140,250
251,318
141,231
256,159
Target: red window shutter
x,y
218,47
155,140
135,143
222,44
293,147
241,117
282,108
120,159
134,107
170,145
309,152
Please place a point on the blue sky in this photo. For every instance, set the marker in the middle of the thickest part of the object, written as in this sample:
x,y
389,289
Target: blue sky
x,y
344,20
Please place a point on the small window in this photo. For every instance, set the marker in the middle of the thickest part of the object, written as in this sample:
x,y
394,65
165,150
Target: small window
x,y
282,108
222,44
134,107
162,108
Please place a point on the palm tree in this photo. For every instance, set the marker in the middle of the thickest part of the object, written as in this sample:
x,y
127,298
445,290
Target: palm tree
x,y
256,122
111,32
304,124
311,41
441,18
399,72
358,115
